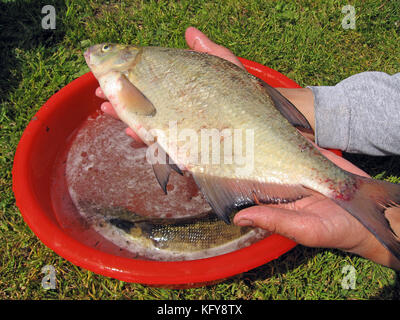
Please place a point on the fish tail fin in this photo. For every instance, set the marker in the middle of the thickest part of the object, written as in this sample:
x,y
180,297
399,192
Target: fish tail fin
x,y
368,204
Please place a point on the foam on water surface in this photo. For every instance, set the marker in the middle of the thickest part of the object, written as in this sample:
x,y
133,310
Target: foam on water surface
x,y
104,167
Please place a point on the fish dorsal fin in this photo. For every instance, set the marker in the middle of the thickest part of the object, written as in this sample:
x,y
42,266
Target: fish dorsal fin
x,y
285,107
124,95
229,195
162,169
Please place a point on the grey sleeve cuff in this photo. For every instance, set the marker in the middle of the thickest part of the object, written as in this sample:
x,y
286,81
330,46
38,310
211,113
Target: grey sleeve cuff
x,y
361,114
332,117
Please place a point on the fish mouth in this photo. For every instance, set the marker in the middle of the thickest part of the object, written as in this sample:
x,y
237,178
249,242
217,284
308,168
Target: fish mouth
x,y
87,56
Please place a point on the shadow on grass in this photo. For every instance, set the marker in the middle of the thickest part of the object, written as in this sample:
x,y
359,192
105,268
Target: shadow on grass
x,y
21,27
287,262
391,292
385,166
300,256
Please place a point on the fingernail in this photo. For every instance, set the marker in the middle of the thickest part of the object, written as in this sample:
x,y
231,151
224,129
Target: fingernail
x,y
245,223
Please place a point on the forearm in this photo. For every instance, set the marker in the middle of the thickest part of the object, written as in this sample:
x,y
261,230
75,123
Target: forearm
x,y
360,114
303,99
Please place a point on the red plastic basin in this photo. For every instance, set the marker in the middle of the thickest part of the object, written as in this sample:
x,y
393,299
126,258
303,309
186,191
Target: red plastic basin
x,y
45,136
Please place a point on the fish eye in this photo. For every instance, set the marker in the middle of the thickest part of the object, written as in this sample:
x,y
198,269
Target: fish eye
x,y
105,48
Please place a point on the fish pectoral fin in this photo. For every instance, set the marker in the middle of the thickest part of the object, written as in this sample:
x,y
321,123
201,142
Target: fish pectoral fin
x,y
126,95
162,165
228,195
122,224
173,165
162,172
286,108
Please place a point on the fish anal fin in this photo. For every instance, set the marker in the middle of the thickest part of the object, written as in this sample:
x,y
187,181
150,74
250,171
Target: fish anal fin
x,y
162,165
228,195
173,165
162,172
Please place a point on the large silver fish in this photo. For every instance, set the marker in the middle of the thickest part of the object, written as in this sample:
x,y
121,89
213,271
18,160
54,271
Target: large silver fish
x,y
175,91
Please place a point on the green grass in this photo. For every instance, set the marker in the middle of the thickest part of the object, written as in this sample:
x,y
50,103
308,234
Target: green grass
x,y
302,39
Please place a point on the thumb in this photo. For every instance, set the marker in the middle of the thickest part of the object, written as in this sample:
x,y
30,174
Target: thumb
x,y
198,41
288,223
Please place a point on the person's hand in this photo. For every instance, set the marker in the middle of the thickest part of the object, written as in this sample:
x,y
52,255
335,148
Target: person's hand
x,y
316,221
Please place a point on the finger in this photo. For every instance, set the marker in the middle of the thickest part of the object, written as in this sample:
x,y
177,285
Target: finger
x,y
133,134
338,160
276,220
198,41
107,108
393,215
100,93
288,223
